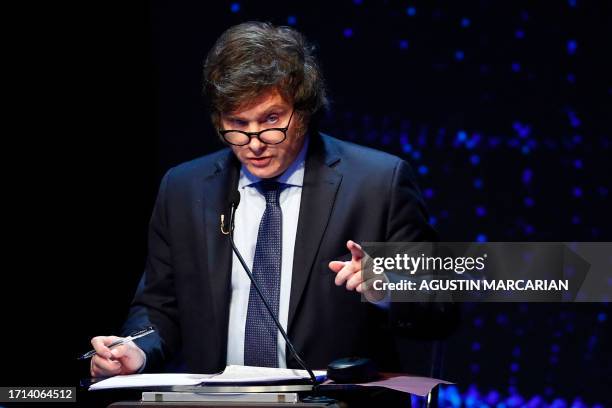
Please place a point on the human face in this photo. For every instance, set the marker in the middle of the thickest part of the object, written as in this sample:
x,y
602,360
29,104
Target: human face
x,y
270,110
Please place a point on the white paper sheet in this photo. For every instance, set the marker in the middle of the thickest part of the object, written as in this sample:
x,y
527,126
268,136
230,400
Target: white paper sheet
x,y
149,380
231,374
237,374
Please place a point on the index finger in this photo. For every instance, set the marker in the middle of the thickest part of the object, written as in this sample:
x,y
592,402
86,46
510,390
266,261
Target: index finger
x,y
356,250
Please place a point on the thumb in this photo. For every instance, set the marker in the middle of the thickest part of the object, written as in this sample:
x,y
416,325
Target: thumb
x,y
119,351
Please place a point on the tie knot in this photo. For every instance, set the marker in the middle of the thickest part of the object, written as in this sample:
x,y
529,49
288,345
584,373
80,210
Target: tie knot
x,y
270,190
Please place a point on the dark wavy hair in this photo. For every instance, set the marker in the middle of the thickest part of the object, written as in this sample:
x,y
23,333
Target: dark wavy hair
x,y
254,57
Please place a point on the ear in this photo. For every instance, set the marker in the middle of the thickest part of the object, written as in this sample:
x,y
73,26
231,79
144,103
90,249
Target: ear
x,y
302,119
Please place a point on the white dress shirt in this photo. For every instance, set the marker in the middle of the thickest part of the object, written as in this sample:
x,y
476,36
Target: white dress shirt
x,y
247,219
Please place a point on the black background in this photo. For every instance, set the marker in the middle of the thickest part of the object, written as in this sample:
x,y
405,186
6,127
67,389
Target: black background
x,y
102,99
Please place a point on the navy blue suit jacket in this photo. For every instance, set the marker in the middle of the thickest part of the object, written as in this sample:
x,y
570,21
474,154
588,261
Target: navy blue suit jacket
x,y
349,192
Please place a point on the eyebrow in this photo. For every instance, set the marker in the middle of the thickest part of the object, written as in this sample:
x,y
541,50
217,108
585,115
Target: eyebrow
x,y
268,111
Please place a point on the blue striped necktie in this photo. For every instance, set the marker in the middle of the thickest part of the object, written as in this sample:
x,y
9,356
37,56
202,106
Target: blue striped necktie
x,y
260,337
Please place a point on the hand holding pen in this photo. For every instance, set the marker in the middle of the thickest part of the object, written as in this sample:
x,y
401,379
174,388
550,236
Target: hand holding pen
x,y
114,355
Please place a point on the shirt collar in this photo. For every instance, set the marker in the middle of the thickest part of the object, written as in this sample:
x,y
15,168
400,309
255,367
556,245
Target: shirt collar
x,y
293,176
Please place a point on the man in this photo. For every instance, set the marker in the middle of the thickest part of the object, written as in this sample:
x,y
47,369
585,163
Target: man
x,y
306,200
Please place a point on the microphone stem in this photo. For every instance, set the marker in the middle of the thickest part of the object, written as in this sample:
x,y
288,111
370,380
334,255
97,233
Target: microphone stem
x,y
294,353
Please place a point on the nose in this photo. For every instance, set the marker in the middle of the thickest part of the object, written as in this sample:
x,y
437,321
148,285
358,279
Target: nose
x,y
256,146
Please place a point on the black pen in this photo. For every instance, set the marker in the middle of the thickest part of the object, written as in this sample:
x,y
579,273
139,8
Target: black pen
x,y
133,336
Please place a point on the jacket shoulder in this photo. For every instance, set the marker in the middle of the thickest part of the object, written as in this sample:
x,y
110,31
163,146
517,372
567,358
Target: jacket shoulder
x,y
202,166
361,157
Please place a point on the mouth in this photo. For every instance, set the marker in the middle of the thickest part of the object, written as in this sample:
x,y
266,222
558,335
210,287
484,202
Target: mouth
x,y
260,161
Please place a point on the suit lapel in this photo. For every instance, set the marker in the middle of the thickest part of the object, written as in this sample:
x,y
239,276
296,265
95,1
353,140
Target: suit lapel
x,y
215,194
321,183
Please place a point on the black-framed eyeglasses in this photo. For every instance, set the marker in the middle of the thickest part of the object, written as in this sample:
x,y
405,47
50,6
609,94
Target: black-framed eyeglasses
x,y
270,136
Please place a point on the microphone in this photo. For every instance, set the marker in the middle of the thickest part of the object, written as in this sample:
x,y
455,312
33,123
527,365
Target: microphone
x,y
234,201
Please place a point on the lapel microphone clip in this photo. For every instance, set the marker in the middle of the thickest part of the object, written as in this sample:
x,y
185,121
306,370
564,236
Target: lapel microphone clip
x,y
234,200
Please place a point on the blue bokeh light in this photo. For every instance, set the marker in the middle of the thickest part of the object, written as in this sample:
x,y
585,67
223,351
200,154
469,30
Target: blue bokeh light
x,y
572,46
527,176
